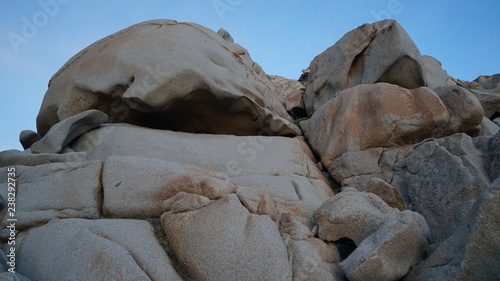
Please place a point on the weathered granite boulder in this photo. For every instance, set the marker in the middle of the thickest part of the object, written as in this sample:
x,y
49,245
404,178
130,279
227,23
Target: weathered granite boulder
x,y
388,242
26,158
224,241
285,86
371,53
487,90
466,112
488,127
351,214
379,115
311,258
78,249
168,75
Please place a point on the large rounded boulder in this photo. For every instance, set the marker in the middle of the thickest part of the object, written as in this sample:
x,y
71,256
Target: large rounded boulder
x,y
169,75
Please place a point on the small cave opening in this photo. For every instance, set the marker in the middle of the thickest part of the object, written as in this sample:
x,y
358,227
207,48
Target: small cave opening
x,y
199,112
298,113
495,115
345,246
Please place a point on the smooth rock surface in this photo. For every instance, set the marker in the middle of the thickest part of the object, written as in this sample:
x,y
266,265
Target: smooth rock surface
x,y
138,186
77,249
466,112
233,245
168,75
377,52
54,191
488,127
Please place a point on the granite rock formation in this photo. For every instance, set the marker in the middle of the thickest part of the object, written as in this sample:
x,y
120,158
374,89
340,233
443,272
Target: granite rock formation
x,y
164,152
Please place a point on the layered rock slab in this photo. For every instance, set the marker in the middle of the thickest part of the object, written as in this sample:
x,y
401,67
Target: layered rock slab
x,y
280,167
224,241
54,191
168,75
78,249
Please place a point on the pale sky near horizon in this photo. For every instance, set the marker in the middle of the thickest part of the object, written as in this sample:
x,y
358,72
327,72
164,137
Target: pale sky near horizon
x,y
38,37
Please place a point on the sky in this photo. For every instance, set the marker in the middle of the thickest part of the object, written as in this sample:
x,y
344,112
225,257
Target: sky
x,y
39,37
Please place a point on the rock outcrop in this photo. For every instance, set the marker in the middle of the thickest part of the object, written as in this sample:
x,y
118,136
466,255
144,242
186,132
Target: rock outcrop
x,y
164,152
363,56
487,90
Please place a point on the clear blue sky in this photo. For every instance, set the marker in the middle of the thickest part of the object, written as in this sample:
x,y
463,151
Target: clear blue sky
x,y
282,36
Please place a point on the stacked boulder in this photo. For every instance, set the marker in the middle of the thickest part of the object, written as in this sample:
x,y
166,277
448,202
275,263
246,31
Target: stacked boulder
x,y
164,152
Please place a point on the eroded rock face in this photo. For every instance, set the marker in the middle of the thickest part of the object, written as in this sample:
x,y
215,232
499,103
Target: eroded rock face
x,y
371,53
168,75
28,137
78,249
367,116
442,180
472,252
